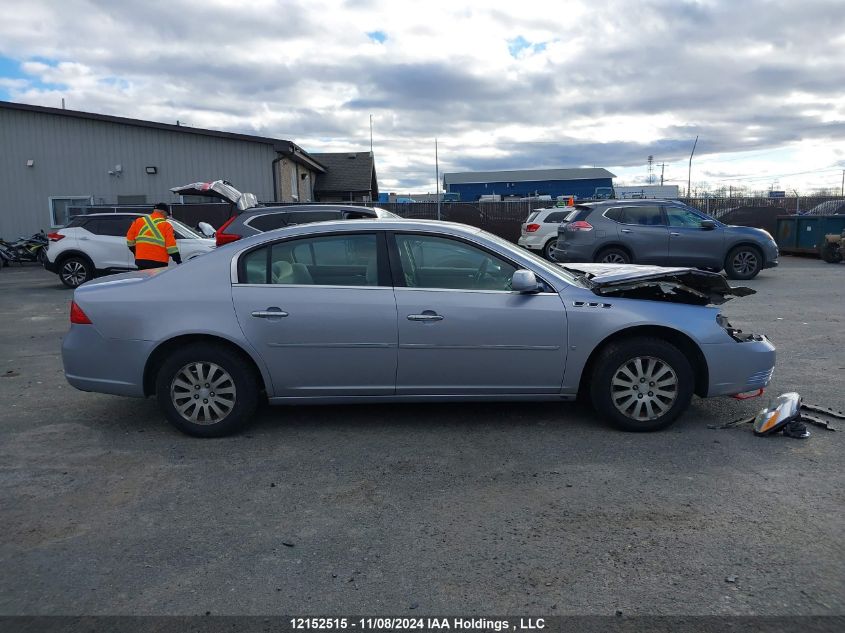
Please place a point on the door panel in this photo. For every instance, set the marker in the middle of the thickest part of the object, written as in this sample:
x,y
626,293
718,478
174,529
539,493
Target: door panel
x,y
691,245
333,341
486,342
645,233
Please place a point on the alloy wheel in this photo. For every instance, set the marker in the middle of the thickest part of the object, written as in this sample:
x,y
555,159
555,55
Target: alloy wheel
x,y
644,388
745,262
613,258
74,273
203,393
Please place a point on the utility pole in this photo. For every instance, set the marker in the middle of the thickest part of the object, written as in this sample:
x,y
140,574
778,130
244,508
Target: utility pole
x,y
842,193
650,179
689,174
371,135
437,176
662,169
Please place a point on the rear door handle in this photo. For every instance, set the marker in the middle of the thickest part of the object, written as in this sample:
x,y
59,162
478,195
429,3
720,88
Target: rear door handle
x,y
626,230
425,317
269,313
674,234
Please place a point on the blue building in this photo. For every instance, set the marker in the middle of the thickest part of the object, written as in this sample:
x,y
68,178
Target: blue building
x,y
578,182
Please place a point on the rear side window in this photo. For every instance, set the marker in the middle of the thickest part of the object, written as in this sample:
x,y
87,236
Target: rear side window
x,y
644,215
268,222
556,218
531,216
616,214
580,213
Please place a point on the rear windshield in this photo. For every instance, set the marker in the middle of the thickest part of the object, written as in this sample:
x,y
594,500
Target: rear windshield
x,y
580,213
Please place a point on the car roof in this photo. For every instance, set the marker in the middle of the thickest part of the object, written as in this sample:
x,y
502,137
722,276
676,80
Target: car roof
x,y
106,214
302,208
632,202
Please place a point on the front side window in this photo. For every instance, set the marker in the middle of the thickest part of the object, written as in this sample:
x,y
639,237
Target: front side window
x,y
678,216
330,260
306,217
117,226
438,262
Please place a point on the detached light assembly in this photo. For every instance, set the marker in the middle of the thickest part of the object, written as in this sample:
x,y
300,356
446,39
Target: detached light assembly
x,y
784,414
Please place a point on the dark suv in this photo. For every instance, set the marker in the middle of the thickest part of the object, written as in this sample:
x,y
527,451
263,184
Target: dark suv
x,y
252,218
662,232
260,219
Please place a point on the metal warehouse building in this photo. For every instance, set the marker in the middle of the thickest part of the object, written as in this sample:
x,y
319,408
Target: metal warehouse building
x,y
581,182
52,158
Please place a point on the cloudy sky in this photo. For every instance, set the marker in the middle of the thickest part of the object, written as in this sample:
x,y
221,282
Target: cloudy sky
x,y
502,85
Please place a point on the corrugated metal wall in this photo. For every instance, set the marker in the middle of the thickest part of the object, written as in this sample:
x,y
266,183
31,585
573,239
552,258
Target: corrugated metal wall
x,y
72,157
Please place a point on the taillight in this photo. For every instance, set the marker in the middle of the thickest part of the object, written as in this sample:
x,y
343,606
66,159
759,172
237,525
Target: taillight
x,y
224,238
55,237
77,315
580,225
532,227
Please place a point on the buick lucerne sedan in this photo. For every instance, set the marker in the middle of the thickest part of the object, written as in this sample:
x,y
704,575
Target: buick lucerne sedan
x,y
390,310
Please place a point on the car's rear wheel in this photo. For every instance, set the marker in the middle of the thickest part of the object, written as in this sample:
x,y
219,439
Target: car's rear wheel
x,y
642,384
830,253
207,391
613,255
75,271
743,262
547,249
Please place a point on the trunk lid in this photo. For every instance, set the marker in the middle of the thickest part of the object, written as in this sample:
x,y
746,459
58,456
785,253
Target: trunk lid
x,y
220,189
658,283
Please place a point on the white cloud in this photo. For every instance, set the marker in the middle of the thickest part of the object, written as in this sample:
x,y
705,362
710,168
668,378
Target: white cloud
x,y
596,83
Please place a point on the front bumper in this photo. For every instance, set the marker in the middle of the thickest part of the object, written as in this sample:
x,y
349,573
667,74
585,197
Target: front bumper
x,y
736,367
95,363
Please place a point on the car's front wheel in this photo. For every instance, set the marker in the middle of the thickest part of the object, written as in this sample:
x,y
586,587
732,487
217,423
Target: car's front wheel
x,y
75,271
743,262
207,391
642,384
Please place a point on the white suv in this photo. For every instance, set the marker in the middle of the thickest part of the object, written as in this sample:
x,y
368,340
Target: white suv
x,y
539,231
95,244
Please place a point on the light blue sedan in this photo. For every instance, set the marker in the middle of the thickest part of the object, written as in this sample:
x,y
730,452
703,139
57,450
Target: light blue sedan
x,y
406,311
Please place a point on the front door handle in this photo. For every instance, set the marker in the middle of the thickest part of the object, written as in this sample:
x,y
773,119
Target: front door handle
x,y
674,234
425,317
269,313
626,230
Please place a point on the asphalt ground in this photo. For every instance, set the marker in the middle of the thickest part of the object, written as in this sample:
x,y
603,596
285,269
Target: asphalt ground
x,y
412,509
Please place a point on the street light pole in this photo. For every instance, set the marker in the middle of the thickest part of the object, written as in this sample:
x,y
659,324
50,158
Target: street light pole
x,y
689,174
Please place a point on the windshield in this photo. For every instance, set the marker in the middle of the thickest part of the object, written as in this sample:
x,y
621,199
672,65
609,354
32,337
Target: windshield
x,y
185,230
536,259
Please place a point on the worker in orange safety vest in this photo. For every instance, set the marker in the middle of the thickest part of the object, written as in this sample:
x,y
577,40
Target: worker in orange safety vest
x,y
151,239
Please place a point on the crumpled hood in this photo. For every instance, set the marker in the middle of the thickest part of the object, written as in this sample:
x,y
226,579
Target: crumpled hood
x,y
658,283
218,189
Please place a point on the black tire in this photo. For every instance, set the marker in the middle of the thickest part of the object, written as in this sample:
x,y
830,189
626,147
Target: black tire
x,y
75,271
613,255
743,262
617,403
240,384
547,249
830,252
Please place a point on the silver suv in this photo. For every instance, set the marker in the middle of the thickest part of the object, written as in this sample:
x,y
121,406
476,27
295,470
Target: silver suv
x,y
662,232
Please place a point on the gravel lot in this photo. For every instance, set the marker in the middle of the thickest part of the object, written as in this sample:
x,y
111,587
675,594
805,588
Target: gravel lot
x,y
421,509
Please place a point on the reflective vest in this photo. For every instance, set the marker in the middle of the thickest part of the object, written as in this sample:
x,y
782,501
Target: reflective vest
x,y
153,238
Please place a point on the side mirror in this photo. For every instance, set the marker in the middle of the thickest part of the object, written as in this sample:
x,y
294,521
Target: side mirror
x,y
524,281
708,225
206,229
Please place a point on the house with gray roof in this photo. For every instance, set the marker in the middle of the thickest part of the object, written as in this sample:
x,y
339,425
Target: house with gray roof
x,y
348,177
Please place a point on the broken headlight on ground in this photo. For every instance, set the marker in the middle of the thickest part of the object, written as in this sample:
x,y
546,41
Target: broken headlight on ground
x,y
734,333
784,414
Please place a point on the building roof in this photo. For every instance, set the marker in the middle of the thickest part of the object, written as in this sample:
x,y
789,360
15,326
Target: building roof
x,y
282,146
526,175
347,171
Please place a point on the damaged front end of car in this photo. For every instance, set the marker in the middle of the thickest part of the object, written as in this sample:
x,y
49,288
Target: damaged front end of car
x,y
658,283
